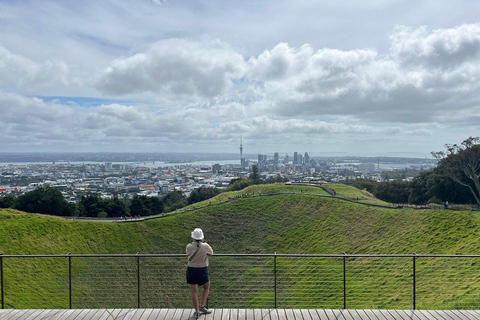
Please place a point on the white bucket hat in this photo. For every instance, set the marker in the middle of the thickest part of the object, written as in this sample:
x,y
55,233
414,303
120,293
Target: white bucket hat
x,y
197,234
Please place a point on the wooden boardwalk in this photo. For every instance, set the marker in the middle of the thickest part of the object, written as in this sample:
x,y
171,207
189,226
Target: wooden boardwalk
x,y
236,314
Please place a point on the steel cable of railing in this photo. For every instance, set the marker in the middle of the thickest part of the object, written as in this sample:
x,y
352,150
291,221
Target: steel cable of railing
x,y
264,281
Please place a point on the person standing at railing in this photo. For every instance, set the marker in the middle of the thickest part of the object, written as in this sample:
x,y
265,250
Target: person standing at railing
x,y
197,271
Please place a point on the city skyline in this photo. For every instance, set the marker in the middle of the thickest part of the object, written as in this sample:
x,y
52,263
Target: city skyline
x,y
372,78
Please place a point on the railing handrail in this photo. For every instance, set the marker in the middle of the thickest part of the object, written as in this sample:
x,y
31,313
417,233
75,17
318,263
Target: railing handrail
x,y
152,255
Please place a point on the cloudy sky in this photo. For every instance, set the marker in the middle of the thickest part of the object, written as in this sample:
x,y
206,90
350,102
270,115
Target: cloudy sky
x,y
367,77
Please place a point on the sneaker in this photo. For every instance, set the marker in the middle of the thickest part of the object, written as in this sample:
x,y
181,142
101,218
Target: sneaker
x,y
204,310
196,315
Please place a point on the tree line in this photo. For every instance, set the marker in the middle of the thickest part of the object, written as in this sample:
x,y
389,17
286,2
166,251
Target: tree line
x,y
47,200
455,179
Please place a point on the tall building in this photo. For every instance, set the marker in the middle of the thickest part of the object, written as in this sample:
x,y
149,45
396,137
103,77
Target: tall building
x,y
295,158
275,158
241,153
299,159
307,159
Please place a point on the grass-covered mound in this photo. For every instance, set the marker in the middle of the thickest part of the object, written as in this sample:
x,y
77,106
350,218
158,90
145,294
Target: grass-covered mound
x,y
282,223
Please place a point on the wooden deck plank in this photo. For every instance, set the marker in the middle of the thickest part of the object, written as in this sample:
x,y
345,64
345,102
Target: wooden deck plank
x,y
281,314
371,315
338,313
249,315
313,315
409,314
217,314
298,314
113,313
49,314
242,314
363,315
386,314
153,314
446,314
226,314
138,314
170,314
330,314
99,315
188,314
67,314
6,313
403,315
10,314
257,314
305,314
234,314
161,314
350,314
81,315
265,314
273,314
359,314
454,315
434,315
289,314
471,314
318,314
422,314
26,314
147,314
442,314
177,315
395,315
467,315
17,314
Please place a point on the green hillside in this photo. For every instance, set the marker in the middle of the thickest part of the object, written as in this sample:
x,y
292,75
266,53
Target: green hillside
x,y
282,223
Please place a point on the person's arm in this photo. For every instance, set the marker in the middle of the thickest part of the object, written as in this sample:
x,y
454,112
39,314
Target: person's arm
x,y
209,250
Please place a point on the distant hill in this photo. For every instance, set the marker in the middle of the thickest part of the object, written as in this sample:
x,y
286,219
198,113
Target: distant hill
x,y
299,222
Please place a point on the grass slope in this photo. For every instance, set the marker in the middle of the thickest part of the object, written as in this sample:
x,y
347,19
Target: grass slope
x,y
284,223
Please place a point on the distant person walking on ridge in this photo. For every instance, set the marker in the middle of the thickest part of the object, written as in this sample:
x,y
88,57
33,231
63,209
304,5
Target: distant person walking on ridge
x,y
197,270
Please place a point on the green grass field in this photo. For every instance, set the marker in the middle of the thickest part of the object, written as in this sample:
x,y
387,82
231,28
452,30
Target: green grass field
x,y
283,223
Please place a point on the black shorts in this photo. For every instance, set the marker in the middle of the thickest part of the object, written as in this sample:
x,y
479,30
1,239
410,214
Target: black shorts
x,y
197,276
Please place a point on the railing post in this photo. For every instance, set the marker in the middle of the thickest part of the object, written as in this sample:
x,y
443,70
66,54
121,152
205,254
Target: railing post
x,y
414,283
138,280
275,278
344,281
1,281
69,280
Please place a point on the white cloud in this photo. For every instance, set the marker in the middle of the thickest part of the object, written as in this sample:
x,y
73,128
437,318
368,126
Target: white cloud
x,y
423,75
21,74
175,67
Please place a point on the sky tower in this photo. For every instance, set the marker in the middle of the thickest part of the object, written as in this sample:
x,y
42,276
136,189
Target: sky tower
x,y
241,152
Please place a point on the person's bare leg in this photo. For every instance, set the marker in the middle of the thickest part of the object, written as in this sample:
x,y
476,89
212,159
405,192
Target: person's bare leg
x,y
194,288
206,290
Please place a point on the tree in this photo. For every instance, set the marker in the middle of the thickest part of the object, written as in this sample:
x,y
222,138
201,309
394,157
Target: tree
x,y
202,194
255,176
44,200
461,163
138,207
7,201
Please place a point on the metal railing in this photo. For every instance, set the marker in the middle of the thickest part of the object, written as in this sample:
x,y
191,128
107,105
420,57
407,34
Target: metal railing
x,y
408,281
